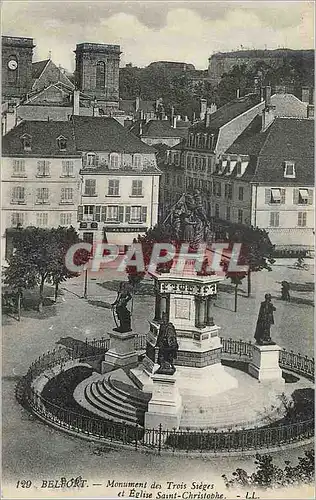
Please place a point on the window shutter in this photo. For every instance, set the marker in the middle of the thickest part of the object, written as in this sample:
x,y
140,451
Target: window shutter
x,y
121,214
310,196
304,218
127,214
98,213
80,213
97,160
267,196
295,196
103,214
282,191
144,214
277,219
299,218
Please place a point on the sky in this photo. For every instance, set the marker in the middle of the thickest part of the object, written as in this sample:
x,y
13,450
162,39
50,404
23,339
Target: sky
x,y
159,30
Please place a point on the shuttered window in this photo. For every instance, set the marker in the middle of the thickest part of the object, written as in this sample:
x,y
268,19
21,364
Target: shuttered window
x,y
80,213
274,219
301,219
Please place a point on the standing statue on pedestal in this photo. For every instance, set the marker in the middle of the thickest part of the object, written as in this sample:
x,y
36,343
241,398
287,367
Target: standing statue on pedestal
x,y
264,322
168,347
124,295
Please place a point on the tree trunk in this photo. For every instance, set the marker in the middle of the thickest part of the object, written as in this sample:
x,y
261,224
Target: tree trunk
x,y
236,295
249,283
56,290
19,306
41,295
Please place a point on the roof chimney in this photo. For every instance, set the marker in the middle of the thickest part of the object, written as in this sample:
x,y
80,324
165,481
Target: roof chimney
x,y
171,115
174,122
140,128
305,94
238,93
212,108
75,102
203,106
137,104
268,96
207,119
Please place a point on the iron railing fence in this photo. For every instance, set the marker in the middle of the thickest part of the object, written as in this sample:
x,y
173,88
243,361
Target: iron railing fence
x,y
160,439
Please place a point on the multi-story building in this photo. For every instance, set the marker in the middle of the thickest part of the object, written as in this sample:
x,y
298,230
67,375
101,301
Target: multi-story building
x,y
40,177
266,179
87,172
119,197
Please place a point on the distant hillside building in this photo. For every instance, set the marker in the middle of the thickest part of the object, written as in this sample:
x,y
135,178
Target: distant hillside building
x,y
223,62
172,66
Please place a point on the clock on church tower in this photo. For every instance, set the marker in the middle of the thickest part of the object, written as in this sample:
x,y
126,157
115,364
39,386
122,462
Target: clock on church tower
x,y
17,55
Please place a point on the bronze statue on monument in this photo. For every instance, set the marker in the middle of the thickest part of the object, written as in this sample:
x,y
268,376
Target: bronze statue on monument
x,y
264,322
120,310
168,347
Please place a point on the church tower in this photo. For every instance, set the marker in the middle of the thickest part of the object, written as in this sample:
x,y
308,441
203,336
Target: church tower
x,y
97,72
17,54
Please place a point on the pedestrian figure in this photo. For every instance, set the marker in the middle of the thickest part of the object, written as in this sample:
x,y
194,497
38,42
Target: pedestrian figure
x,y
285,291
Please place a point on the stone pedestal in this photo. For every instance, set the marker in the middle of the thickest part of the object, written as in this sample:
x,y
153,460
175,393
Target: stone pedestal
x,y
122,351
264,365
165,406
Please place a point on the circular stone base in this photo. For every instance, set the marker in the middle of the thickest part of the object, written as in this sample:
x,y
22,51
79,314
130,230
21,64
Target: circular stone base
x,y
250,404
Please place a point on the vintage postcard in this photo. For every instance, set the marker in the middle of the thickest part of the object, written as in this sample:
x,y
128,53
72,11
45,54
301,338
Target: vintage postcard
x,y
157,249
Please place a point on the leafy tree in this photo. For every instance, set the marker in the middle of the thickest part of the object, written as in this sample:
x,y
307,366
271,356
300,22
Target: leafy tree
x,y
268,475
39,256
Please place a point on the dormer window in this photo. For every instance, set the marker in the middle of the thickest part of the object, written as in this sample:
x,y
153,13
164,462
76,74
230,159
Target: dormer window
x,y
137,161
91,160
62,143
26,142
289,169
114,160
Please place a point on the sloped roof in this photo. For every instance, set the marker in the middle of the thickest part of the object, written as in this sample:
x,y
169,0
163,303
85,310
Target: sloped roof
x,y
251,140
228,112
106,134
44,139
38,68
160,128
287,139
82,134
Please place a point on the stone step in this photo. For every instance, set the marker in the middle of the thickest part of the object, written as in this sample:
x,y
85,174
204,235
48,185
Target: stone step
x,y
120,390
107,408
123,384
105,392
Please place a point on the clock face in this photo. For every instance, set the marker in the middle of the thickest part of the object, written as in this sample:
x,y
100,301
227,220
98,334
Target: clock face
x,y
12,64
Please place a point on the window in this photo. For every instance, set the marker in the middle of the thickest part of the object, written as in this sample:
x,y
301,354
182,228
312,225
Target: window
x,y
18,194
137,188
114,213
275,196
238,167
41,219
240,216
67,168
301,219
18,168
228,191
91,160
289,169
218,189
136,214
62,143
18,219
43,168
100,76
227,213
65,219
189,161
66,195
89,187
42,195
303,196
274,219
88,210
114,160
26,142
137,161
216,211
113,187
240,193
